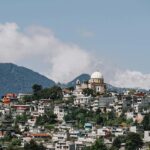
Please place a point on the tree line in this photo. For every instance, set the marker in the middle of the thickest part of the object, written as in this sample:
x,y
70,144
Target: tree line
x,y
54,93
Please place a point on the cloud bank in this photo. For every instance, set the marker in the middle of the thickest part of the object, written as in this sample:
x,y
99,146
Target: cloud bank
x,y
39,49
131,79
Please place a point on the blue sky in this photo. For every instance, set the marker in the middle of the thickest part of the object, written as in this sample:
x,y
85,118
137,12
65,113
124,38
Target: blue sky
x,y
115,30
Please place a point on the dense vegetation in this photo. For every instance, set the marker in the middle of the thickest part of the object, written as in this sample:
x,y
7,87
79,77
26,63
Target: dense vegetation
x,y
48,118
53,93
20,79
132,141
146,122
34,146
81,116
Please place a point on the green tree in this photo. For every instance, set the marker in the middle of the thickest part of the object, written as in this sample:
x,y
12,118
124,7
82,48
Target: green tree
x,y
21,118
98,145
48,118
56,93
16,128
133,141
99,119
36,88
71,88
117,142
16,142
33,146
36,91
89,92
146,122
111,115
8,136
27,98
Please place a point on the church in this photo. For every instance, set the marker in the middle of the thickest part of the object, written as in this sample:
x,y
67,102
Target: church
x,y
96,83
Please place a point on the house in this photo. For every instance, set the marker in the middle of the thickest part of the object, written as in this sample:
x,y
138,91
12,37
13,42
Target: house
x,y
5,111
22,95
130,115
117,131
74,133
40,135
133,129
79,145
82,100
118,107
64,126
60,136
95,105
105,101
49,146
96,82
59,111
21,108
65,146
9,99
146,136
103,131
139,118
31,122
41,110
66,97
88,126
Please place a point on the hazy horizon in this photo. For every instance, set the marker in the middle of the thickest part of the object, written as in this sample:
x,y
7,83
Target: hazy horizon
x,y
63,39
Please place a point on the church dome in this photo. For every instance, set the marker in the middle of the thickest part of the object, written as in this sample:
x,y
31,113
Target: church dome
x,y
96,75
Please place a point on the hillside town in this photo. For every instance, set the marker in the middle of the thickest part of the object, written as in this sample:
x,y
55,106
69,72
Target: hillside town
x,y
84,117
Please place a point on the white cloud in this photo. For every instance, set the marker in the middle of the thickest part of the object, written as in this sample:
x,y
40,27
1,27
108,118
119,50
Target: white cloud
x,y
39,49
131,79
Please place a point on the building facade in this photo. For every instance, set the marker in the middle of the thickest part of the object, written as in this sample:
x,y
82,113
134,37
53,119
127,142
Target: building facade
x,y
96,83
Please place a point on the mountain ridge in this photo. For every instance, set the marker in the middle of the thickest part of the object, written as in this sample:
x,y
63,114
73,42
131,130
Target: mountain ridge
x,y
14,78
83,77
18,79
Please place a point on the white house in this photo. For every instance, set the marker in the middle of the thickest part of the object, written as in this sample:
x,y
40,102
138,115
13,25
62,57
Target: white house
x,y
60,136
147,136
65,146
59,111
118,131
41,110
82,100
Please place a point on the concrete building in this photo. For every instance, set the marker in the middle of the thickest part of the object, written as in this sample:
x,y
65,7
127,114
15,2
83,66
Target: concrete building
x,y
82,100
146,136
59,111
96,83
65,146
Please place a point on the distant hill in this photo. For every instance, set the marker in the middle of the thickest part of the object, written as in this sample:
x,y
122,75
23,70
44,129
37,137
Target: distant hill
x,y
86,77
82,78
112,88
18,79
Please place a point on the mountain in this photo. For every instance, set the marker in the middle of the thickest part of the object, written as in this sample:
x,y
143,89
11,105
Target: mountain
x,y
82,78
86,77
18,79
111,88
